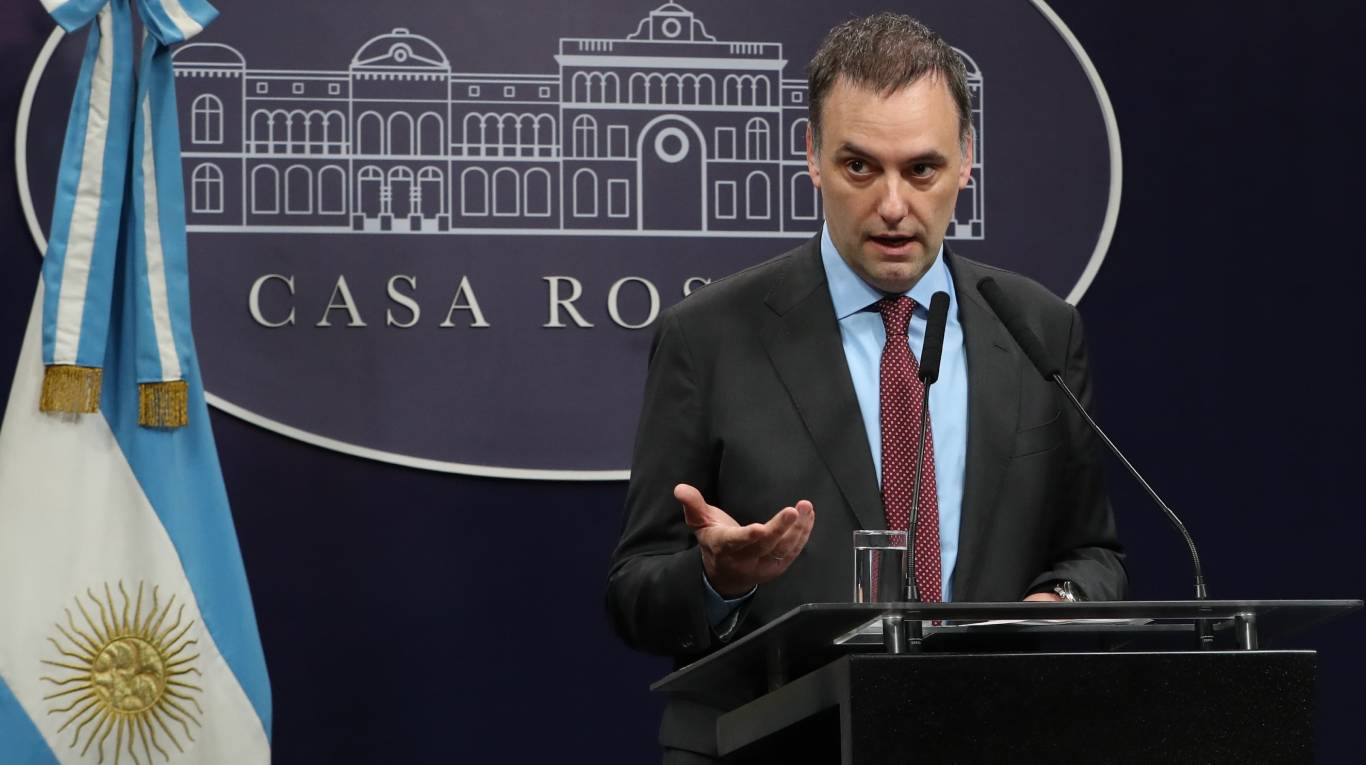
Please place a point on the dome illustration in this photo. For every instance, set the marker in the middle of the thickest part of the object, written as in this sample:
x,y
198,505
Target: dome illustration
x,y
208,54
401,48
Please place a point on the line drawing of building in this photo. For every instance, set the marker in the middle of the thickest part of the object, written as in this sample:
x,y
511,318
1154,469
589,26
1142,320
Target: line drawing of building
x,y
665,131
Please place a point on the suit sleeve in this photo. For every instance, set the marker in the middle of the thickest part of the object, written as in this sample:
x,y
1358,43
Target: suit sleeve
x,y
655,590
1086,544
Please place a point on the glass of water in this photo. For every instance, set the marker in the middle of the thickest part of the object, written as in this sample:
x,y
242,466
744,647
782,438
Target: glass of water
x,y
879,566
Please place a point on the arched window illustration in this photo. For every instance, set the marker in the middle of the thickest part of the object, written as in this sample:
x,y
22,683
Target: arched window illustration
x,y
429,130
756,196
585,136
334,133
527,135
296,140
545,136
400,134
673,89
265,189
370,133
474,192
431,186
298,190
706,89
473,137
638,89
756,139
585,194
730,90
370,191
759,90
596,87
797,147
331,190
506,192
509,134
655,85
207,120
261,125
804,198
315,128
279,131
401,192
536,193
207,189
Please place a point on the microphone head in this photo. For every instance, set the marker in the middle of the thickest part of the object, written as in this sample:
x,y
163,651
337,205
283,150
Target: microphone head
x,y
933,349
1009,314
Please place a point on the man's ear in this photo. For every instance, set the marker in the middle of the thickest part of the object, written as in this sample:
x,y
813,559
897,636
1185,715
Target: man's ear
x,y
965,172
813,167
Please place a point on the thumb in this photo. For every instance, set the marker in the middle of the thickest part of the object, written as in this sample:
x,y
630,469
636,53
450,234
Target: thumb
x,y
696,511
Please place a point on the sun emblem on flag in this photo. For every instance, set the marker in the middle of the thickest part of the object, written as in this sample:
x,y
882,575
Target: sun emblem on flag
x,y
125,675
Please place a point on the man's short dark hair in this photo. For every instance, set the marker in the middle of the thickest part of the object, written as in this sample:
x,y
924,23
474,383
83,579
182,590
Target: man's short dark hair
x,y
886,52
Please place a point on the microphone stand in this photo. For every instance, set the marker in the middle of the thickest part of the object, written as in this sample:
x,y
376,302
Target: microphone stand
x,y
909,634
914,629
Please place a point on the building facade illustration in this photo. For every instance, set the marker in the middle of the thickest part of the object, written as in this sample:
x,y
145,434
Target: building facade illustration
x,y
664,131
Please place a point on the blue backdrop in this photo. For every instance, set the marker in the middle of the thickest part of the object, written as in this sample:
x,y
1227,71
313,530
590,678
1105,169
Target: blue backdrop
x,y
1223,327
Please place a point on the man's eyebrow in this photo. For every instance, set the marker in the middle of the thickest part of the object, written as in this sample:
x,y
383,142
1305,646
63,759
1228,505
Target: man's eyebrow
x,y
931,156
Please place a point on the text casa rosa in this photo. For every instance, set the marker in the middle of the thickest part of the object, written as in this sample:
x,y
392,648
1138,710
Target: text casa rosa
x,y
272,303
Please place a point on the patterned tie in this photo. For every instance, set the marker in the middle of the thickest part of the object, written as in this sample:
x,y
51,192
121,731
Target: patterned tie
x,y
902,398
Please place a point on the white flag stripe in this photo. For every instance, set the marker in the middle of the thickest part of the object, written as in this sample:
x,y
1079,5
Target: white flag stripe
x,y
156,259
80,241
187,26
62,536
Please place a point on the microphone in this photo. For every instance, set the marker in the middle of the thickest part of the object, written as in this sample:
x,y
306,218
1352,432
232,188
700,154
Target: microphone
x,y
1010,316
933,349
930,353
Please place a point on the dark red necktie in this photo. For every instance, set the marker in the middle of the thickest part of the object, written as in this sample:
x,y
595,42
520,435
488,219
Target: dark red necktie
x,y
900,410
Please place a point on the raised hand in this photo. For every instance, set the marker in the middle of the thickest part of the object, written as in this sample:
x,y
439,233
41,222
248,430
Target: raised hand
x,y
736,558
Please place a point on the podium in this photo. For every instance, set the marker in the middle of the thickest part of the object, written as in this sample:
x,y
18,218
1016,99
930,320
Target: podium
x,y
1017,682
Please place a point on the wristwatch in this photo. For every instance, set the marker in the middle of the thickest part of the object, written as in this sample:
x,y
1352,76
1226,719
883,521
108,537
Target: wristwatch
x,y
1067,591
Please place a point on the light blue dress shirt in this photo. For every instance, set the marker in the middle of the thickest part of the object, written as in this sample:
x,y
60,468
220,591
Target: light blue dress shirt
x,y
863,336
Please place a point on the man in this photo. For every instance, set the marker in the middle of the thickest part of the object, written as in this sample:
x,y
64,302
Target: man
x,y
777,410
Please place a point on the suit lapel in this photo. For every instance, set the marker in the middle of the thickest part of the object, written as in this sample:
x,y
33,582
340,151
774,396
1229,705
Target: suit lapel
x,y
803,342
993,411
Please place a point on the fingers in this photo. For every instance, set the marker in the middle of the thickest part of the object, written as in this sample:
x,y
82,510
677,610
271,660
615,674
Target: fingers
x,y
793,538
782,536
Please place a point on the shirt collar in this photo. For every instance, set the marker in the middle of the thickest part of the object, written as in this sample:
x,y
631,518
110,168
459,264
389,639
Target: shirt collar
x,y
851,294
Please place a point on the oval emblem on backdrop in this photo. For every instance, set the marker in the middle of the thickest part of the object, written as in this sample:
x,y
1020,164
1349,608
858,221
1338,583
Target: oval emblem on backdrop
x,y
439,236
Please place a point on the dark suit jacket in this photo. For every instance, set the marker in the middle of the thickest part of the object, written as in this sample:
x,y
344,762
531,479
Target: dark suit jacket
x,y
749,399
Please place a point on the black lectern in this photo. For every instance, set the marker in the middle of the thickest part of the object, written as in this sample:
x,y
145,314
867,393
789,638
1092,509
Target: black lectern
x,y
1017,682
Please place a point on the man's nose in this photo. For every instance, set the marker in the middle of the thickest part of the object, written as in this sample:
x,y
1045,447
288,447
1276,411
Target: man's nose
x,y
893,200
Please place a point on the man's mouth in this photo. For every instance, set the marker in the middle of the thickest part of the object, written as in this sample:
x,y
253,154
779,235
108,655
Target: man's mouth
x,y
892,241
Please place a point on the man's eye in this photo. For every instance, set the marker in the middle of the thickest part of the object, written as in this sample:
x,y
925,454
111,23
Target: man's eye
x,y
922,170
857,166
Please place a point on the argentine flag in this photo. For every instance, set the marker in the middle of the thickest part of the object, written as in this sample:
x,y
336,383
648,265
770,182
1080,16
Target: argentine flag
x,y
125,619
127,633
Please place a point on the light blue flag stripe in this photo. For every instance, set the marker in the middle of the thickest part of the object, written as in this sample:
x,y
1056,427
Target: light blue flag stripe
x,y
93,326
179,472
159,204
159,19
74,14
20,742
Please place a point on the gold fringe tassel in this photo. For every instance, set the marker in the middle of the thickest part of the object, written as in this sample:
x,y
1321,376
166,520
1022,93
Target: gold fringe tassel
x,y
163,404
70,389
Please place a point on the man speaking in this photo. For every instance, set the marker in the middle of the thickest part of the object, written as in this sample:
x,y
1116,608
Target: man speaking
x,y
782,405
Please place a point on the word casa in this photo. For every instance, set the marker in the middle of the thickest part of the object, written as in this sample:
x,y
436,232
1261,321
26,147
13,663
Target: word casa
x,y
271,302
